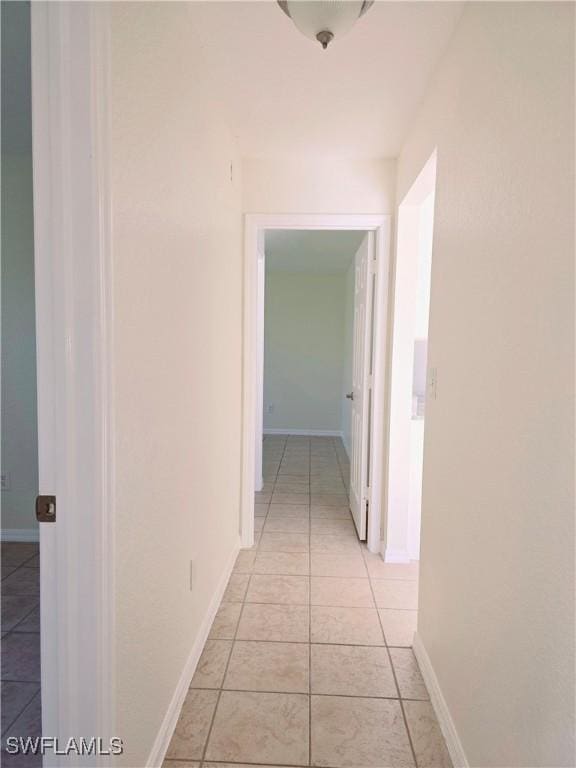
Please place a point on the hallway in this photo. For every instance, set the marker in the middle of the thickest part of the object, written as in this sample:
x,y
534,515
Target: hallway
x,y
309,659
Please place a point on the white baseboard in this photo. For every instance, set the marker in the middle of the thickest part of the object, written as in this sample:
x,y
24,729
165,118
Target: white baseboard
x,y
395,555
438,702
346,446
20,534
162,741
304,432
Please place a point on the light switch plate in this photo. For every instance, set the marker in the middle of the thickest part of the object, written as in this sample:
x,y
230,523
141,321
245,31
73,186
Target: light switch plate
x,y
433,383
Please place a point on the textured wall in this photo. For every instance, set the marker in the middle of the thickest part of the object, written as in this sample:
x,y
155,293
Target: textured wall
x,y
497,558
178,320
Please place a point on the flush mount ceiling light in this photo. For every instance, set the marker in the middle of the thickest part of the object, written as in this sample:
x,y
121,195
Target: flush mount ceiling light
x,y
323,20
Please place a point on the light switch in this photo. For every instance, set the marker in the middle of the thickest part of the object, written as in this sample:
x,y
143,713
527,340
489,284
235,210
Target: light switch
x,y
433,383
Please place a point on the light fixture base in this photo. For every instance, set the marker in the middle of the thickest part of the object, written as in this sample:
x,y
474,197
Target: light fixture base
x,y
324,38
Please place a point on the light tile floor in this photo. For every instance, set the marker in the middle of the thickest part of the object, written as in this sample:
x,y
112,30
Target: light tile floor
x,y
309,660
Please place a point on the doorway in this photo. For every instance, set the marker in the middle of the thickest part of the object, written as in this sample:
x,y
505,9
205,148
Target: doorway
x,y
410,379
367,407
21,696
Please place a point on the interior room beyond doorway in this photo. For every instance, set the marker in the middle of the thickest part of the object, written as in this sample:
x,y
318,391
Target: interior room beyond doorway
x,y
308,336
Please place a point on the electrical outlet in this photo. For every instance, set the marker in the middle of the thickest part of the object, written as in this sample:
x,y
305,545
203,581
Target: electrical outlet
x,y
191,575
5,481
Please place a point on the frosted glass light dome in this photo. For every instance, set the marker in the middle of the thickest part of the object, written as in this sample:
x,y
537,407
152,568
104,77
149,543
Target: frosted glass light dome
x,y
323,20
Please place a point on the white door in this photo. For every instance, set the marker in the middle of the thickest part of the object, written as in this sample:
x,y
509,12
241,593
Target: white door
x,y
361,382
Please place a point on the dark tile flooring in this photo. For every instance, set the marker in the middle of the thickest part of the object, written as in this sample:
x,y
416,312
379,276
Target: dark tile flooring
x,y
20,598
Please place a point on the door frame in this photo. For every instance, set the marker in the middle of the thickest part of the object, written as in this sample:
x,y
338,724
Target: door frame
x,y
70,50
253,344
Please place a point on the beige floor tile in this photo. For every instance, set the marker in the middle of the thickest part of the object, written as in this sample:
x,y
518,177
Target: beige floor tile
x,y
281,590
329,499
427,738
336,527
343,592
395,593
289,510
260,510
260,728
300,485
293,471
180,764
287,623
352,626
193,725
351,670
293,479
236,588
408,674
290,498
399,626
262,497
287,563
225,621
324,473
358,733
285,524
259,524
332,513
329,544
327,489
378,569
259,666
349,564
245,561
212,664
284,542
240,765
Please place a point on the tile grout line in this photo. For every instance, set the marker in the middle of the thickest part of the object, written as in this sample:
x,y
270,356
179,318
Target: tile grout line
x,y
303,693
8,727
323,457
410,742
296,642
220,690
310,603
13,630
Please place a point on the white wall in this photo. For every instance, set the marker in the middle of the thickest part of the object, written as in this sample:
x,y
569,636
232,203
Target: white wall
x,y
178,300
19,425
318,185
497,560
346,414
304,335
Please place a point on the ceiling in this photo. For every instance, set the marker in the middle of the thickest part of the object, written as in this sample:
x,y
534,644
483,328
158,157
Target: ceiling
x,y
312,251
283,94
286,96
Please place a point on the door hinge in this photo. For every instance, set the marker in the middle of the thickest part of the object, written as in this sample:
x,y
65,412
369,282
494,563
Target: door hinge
x,y
46,509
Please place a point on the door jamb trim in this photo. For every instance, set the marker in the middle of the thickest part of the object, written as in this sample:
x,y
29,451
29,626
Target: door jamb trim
x,y
253,373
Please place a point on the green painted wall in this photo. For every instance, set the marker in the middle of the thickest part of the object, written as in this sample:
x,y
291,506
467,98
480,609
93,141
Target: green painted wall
x,y
304,351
